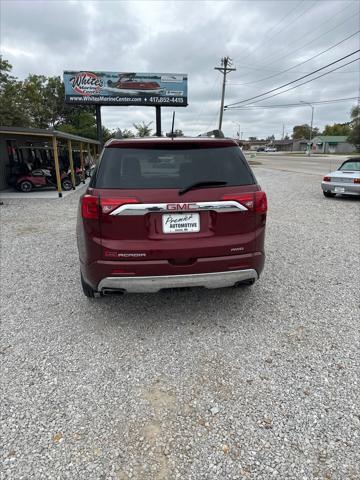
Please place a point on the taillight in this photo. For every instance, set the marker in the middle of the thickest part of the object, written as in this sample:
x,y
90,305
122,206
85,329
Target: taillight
x,y
90,207
246,199
109,204
255,202
327,179
260,202
356,180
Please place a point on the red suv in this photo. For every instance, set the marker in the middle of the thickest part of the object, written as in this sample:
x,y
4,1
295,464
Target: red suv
x,y
165,213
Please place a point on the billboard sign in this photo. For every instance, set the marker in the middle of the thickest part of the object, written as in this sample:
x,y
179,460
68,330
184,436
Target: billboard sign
x,y
123,88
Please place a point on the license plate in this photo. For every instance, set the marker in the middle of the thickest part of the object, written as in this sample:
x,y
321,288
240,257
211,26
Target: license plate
x,y
339,189
181,222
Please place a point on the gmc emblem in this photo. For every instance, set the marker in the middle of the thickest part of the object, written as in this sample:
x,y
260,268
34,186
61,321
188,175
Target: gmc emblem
x,y
181,206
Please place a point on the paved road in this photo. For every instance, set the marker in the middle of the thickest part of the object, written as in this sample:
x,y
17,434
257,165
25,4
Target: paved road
x,y
258,383
314,165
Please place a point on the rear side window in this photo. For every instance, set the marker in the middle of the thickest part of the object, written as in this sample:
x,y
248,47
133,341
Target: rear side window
x,y
132,168
353,165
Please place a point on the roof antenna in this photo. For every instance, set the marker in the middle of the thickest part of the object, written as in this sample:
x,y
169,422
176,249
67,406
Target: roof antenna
x,y
172,127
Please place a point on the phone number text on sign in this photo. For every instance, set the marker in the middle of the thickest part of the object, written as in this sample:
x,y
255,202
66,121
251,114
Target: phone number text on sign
x,y
166,100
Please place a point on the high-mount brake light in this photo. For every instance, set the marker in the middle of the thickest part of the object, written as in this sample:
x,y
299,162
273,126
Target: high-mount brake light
x,y
327,179
255,202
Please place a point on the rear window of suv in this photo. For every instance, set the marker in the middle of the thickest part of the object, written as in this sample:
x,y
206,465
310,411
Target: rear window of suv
x,y
176,167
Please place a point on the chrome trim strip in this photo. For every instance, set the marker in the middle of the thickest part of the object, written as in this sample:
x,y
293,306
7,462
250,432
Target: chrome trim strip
x,y
154,284
144,208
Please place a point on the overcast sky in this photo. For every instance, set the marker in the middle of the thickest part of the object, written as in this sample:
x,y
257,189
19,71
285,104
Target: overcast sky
x,y
262,37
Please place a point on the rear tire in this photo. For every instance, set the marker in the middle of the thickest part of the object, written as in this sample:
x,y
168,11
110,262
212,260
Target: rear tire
x,y
87,290
25,186
66,184
328,194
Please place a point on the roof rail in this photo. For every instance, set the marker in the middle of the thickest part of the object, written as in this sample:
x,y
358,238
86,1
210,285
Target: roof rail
x,y
213,133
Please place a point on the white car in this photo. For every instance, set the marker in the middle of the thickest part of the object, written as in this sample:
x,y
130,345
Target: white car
x,y
270,149
344,181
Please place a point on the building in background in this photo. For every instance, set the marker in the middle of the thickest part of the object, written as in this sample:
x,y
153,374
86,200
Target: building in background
x,y
331,144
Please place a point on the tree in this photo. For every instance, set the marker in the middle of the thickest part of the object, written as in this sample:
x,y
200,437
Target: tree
x,y
33,90
252,139
39,102
354,136
303,131
175,133
125,133
85,125
13,111
143,129
337,129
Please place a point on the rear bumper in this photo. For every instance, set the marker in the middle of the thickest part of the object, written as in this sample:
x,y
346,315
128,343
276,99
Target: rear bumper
x,y
349,188
102,273
156,283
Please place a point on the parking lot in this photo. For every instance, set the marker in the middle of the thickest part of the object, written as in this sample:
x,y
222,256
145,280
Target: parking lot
x,y
246,383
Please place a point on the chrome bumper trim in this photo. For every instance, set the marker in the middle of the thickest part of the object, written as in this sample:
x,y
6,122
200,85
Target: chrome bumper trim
x,y
154,284
170,207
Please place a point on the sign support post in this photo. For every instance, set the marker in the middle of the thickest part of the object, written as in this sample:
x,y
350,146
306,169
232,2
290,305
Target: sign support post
x,y
158,120
98,124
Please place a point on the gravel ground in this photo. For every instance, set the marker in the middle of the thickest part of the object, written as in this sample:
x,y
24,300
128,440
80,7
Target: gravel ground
x,y
255,383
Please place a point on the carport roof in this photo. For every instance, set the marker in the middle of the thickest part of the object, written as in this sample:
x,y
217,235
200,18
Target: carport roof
x,y
42,132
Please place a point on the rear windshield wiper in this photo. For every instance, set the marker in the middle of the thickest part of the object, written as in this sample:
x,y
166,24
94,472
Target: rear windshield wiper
x,y
195,185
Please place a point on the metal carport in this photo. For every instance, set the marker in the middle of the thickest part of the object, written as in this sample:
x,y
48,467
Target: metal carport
x,y
13,134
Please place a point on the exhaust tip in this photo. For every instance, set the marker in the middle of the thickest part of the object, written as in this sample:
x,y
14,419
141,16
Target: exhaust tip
x,y
112,291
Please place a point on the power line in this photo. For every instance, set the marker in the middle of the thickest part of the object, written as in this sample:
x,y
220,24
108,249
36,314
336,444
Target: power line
x,y
301,63
320,102
307,81
296,80
270,70
314,39
286,26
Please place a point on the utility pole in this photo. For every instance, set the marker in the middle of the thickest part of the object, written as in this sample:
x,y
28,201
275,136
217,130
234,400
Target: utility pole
x,y
225,68
283,130
311,124
238,129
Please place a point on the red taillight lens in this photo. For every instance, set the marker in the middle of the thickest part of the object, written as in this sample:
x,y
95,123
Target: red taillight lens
x,y
255,202
260,202
356,180
246,199
90,207
109,204
327,179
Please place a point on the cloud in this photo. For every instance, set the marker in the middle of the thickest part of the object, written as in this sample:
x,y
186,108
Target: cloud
x,y
262,37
